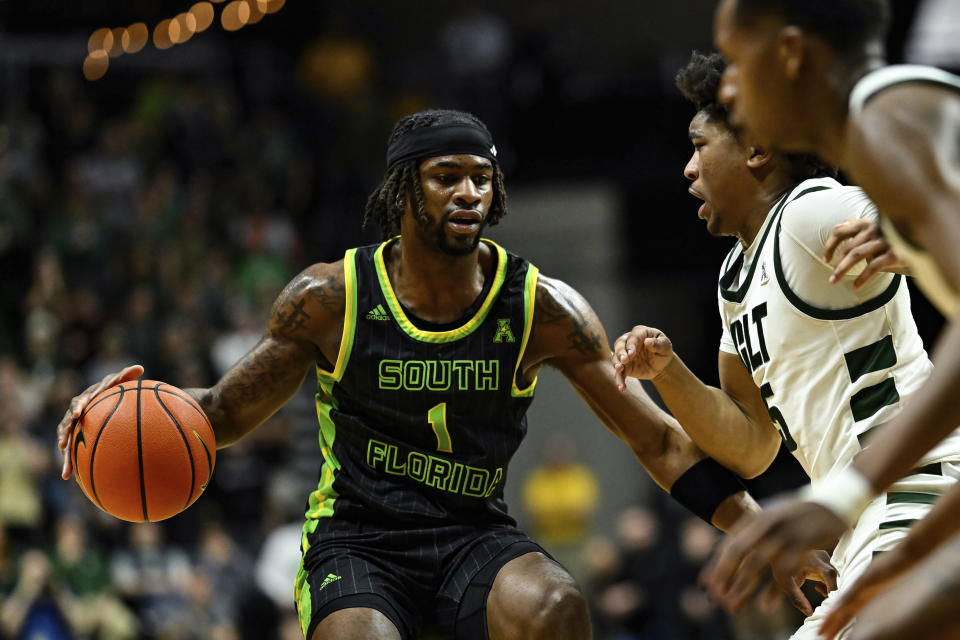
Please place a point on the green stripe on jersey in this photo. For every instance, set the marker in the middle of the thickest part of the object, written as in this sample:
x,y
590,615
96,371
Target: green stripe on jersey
x,y
911,497
869,400
873,357
320,502
932,469
529,300
897,524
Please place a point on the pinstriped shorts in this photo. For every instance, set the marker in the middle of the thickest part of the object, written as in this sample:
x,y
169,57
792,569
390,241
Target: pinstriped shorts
x,y
412,576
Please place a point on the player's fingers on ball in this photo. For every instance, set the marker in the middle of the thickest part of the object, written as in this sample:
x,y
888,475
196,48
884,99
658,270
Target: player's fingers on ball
x,y
64,428
67,462
77,405
133,372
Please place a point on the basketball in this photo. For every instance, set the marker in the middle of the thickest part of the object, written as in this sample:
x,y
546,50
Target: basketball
x,y
143,450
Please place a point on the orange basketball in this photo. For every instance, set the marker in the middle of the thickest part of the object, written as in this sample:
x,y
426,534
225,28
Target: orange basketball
x,y
143,450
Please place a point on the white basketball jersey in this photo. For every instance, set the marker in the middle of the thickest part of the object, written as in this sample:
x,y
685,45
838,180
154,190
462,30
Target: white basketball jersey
x,y
827,375
927,275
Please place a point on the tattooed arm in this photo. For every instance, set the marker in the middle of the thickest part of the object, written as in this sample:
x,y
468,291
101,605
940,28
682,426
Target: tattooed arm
x,y
304,328
568,336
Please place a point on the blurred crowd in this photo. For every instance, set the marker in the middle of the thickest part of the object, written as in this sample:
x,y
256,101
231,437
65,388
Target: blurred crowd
x,y
157,231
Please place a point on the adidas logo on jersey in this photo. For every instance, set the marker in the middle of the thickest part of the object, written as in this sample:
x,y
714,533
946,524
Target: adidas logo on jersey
x,y
377,313
330,578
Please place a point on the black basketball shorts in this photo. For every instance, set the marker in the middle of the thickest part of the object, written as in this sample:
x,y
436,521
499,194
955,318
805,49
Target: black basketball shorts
x,y
438,576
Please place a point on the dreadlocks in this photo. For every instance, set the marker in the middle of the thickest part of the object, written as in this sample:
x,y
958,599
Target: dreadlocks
x,y
386,204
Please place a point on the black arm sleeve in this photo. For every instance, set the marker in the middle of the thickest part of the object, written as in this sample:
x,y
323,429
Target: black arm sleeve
x,y
704,486
783,474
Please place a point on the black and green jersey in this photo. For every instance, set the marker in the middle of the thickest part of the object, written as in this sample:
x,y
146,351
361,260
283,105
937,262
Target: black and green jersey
x,y
417,421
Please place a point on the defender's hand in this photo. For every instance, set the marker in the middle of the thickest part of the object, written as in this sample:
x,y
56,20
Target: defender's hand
x,y
856,240
779,538
642,353
815,566
79,403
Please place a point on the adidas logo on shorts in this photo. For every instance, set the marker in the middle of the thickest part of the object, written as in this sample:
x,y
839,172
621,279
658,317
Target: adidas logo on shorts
x,y
330,578
377,313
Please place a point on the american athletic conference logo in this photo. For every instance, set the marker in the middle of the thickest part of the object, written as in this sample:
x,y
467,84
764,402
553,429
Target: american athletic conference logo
x,y
504,332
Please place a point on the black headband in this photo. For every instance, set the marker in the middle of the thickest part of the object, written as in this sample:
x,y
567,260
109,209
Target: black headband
x,y
442,140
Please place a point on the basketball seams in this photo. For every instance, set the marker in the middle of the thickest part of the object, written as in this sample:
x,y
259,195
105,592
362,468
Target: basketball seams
x,y
93,450
119,389
143,482
189,400
186,443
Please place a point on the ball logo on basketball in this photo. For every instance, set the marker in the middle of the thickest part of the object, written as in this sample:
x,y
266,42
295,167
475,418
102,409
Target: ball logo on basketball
x,y
143,450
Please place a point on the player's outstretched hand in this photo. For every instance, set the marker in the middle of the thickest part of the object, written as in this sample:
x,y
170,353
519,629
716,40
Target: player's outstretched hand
x,y
878,577
815,566
642,353
778,538
856,240
79,403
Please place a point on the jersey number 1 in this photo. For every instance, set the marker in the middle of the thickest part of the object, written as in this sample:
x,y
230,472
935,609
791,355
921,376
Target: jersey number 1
x,y
776,416
437,417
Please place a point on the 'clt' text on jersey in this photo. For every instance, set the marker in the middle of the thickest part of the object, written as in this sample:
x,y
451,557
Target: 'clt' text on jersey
x,y
827,375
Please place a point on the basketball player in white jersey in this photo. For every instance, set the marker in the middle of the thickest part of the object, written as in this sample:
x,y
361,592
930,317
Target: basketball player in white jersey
x,y
809,75
822,365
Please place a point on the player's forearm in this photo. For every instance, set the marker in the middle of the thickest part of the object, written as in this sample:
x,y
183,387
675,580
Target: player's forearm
x,y
927,419
713,420
252,390
732,509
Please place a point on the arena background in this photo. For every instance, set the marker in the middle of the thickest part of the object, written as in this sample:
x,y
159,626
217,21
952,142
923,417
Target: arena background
x,y
153,203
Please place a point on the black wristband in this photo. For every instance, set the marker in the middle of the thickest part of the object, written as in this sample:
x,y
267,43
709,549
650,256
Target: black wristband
x,y
704,486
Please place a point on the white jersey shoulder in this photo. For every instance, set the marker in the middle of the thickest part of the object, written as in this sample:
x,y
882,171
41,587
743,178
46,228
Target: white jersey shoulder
x,y
827,374
922,267
885,77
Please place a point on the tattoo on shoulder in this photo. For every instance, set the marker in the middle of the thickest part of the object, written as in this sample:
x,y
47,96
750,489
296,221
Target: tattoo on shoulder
x,y
293,316
330,294
555,308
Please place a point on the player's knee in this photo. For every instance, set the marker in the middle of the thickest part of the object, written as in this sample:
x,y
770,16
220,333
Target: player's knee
x,y
561,612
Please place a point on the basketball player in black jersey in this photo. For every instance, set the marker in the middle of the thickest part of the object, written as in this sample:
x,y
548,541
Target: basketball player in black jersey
x,y
426,349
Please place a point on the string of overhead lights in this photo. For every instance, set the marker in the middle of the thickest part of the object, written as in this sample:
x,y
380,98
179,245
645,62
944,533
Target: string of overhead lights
x,y
106,43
